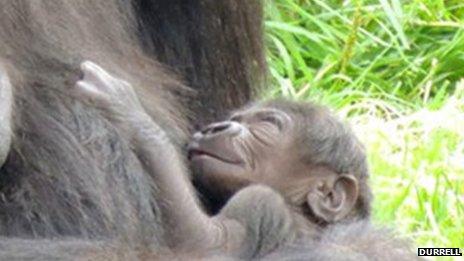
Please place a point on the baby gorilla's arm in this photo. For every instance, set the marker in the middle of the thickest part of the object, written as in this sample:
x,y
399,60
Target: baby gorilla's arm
x,y
253,215
267,219
119,102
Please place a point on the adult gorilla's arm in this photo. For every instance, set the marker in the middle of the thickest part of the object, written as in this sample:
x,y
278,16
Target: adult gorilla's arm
x,y
6,101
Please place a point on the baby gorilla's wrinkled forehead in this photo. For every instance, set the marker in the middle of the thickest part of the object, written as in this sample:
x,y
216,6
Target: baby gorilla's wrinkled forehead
x,y
320,136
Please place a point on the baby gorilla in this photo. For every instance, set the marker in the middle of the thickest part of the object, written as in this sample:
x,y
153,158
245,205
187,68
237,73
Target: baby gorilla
x,y
279,173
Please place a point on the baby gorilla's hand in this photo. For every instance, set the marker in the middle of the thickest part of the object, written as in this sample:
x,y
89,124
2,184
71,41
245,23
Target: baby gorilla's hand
x,y
113,96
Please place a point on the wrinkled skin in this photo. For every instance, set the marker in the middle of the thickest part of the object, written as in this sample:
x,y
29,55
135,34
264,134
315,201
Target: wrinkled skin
x,y
252,146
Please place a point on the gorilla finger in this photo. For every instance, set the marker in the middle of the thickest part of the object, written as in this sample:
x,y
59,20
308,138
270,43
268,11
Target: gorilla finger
x,y
89,92
95,74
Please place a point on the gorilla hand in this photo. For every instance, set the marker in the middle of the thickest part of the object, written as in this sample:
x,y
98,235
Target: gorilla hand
x,y
117,99
113,96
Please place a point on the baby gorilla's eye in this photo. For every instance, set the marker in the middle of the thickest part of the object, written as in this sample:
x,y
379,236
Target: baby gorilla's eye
x,y
273,120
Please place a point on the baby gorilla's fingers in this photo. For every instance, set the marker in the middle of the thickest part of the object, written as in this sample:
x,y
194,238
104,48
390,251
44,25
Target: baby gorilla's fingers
x,y
104,82
91,96
97,86
96,75
89,92
114,97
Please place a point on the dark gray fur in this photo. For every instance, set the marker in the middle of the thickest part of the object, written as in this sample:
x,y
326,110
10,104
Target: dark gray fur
x,y
215,45
69,172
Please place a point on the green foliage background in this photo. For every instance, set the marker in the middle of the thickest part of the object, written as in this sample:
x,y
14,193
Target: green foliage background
x,y
394,69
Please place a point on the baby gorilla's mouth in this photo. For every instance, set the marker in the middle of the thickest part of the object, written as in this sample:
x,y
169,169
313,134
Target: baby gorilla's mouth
x,y
197,153
193,153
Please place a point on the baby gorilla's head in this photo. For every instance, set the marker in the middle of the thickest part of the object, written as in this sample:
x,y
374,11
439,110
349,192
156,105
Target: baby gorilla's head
x,y
299,149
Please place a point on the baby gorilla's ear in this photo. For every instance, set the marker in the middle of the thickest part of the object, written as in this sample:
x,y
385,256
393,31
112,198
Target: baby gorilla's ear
x,y
333,198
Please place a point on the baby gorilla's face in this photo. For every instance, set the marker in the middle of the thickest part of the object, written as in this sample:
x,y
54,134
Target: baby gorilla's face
x,y
269,145
253,146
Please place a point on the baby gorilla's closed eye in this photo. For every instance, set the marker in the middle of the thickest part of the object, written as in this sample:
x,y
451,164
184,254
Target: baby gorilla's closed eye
x,y
273,119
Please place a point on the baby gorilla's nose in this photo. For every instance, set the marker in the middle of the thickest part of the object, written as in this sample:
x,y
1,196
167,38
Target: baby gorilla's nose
x,y
219,130
216,127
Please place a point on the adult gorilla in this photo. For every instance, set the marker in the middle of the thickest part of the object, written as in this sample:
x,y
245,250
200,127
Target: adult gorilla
x,y
65,170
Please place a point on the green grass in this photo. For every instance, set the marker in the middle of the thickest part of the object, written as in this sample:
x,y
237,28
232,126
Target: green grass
x,y
393,68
